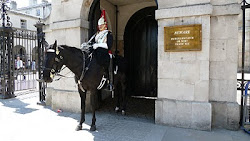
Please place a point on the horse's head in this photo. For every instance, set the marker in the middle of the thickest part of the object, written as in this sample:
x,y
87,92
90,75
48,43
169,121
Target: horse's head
x,y
53,62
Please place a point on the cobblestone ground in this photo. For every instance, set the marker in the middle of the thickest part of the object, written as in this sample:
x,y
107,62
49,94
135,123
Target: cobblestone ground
x,y
21,119
138,108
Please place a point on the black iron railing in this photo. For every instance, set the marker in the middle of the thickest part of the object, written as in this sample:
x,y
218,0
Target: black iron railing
x,y
244,6
6,54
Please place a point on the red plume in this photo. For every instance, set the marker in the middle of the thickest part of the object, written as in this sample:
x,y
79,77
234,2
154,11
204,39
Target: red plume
x,y
103,14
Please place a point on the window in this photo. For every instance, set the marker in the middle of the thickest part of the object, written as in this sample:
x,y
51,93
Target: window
x,y
38,12
23,24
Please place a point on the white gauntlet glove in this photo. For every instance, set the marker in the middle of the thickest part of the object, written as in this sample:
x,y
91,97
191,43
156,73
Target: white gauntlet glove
x,y
102,45
95,46
83,45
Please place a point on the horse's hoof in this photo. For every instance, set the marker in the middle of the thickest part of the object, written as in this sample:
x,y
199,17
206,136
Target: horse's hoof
x,y
92,128
116,109
79,127
123,112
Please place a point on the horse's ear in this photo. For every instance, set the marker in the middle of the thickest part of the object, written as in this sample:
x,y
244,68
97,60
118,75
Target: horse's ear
x,y
55,45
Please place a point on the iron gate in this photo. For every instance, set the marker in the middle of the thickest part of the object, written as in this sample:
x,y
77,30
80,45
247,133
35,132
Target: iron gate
x,y
6,55
244,117
246,110
21,57
41,56
7,63
26,58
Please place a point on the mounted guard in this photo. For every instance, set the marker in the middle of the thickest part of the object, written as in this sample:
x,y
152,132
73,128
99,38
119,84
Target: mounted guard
x,y
102,42
96,59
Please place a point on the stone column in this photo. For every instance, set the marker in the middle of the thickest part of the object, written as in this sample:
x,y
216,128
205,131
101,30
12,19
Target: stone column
x,y
185,79
223,64
69,26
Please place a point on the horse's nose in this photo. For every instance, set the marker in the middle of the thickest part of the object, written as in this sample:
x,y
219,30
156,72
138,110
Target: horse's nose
x,y
40,80
48,79
46,76
45,79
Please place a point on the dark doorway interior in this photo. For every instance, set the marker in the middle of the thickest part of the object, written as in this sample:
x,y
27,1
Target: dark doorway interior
x,y
140,46
94,16
140,42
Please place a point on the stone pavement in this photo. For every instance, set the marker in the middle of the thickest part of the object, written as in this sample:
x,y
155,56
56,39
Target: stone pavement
x,y
21,119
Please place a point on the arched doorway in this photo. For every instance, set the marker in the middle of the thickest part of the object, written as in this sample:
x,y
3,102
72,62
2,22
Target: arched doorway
x,y
140,46
20,51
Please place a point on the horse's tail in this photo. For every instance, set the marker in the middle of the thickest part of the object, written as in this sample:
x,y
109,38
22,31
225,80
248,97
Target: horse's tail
x,y
121,63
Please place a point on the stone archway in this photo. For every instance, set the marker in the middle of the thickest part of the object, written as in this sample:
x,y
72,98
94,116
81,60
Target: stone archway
x,y
20,51
140,45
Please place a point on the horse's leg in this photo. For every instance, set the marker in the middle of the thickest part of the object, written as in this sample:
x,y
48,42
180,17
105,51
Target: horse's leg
x,y
83,97
92,97
123,97
117,98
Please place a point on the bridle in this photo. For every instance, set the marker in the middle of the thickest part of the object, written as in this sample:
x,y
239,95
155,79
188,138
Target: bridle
x,y
58,58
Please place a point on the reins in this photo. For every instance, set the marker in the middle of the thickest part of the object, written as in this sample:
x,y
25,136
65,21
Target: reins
x,y
84,70
85,52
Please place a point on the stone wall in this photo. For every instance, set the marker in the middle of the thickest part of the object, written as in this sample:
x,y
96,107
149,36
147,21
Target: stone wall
x,y
183,77
68,25
192,82
223,64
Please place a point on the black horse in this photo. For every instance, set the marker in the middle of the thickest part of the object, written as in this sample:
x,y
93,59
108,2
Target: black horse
x,y
88,75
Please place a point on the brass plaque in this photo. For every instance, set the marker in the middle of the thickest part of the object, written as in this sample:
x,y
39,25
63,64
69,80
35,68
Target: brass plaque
x,y
182,38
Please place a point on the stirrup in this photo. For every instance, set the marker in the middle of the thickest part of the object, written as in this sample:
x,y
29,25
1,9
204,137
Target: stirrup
x,y
110,87
102,83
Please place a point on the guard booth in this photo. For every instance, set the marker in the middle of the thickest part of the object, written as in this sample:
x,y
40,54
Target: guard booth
x,y
193,87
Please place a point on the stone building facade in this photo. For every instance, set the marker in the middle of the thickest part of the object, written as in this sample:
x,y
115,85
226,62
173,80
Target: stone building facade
x,y
24,21
195,89
41,10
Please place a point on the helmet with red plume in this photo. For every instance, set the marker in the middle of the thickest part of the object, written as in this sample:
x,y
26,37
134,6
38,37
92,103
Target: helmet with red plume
x,y
102,20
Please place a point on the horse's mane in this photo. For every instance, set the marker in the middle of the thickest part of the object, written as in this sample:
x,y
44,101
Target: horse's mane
x,y
74,50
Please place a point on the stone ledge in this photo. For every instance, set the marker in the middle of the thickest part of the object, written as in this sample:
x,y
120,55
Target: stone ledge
x,y
226,115
229,9
69,101
185,114
198,10
72,23
193,10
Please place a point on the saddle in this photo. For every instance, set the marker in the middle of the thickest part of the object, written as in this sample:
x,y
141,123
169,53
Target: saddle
x,y
108,76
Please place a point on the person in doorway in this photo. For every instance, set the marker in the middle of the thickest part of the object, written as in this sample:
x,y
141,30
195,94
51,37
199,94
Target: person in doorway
x,y
33,65
28,64
19,63
24,70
